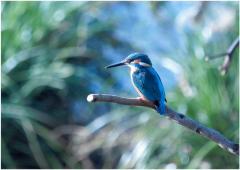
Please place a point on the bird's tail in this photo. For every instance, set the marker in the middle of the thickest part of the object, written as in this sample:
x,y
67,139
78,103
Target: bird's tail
x,y
161,108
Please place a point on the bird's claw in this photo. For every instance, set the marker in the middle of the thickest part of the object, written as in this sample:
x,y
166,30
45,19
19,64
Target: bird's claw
x,y
142,99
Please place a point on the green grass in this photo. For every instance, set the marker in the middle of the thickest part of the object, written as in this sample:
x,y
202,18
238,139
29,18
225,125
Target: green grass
x,y
53,56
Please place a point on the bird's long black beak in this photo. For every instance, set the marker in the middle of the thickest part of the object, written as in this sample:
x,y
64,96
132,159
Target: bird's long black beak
x,y
116,64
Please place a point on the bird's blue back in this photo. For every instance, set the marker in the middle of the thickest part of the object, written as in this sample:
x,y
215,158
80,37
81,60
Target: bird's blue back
x,y
148,82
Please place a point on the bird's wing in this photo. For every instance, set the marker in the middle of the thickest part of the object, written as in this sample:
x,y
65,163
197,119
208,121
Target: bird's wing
x,y
163,91
149,84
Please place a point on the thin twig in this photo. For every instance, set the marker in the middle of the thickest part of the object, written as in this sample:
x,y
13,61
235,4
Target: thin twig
x,y
228,56
181,119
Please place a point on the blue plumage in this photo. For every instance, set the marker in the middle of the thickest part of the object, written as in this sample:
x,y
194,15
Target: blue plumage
x,y
145,80
149,84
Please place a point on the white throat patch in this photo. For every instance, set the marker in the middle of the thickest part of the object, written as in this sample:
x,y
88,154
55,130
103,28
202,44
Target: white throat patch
x,y
133,68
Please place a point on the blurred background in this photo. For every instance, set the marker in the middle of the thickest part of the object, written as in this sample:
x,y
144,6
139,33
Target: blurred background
x,y
53,56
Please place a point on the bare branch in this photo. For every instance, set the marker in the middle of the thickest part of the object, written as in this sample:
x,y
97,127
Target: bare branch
x,y
228,56
181,119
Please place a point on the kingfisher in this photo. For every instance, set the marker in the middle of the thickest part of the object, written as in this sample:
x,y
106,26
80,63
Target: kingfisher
x,y
145,80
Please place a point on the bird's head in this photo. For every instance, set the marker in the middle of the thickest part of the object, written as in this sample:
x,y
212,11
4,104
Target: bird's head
x,y
134,60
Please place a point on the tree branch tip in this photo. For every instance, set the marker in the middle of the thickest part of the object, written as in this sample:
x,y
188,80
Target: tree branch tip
x,y
91,98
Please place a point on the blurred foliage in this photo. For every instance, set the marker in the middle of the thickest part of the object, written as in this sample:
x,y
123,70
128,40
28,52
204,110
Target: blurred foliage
x,y
53,56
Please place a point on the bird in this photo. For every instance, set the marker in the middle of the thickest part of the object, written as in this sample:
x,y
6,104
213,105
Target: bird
x,y
145,80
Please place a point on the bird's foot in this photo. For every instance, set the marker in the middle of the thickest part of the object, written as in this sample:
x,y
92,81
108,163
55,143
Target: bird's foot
x,y
142,99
